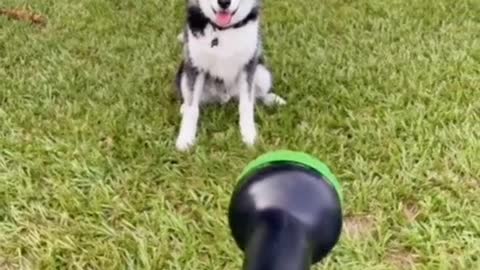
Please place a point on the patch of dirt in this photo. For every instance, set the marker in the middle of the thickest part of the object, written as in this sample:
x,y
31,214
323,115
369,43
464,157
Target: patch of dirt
x,y
107,143
473,184
411,211
402,260
6,264
356,227
24,15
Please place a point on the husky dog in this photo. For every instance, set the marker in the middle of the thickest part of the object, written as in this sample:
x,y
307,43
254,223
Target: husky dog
x,y
222,60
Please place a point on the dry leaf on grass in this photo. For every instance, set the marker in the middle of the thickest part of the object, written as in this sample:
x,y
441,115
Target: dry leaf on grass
x,y
24,15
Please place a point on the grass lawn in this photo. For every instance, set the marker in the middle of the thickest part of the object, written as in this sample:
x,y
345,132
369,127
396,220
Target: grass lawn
x,y
386,92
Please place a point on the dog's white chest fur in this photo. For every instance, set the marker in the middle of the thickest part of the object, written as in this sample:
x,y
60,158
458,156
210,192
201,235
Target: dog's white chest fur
x,y
227,58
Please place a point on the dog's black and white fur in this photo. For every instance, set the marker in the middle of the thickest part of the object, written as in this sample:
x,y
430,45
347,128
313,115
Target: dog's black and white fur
x,y
222,62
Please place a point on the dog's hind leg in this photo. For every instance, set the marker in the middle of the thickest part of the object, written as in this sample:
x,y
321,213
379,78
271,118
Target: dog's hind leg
x,y
263,83
192,93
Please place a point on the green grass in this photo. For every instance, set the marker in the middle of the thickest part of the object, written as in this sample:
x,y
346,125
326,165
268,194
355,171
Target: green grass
x,y
387,92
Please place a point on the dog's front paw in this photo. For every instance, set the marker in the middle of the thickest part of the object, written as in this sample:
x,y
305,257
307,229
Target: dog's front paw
x,y
249,133
185,141
186,138
188,128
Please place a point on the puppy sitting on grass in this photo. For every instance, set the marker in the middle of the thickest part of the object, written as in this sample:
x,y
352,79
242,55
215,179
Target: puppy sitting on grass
x,y
222,60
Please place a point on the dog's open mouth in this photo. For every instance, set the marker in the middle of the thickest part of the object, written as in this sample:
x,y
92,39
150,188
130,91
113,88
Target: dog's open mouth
x,y
224,18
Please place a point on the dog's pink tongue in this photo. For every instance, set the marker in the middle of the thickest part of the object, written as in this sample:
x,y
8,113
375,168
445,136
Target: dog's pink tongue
x,y
224,19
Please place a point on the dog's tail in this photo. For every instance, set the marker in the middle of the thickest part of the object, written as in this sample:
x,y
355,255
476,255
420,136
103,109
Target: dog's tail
x,y
180,37
263,79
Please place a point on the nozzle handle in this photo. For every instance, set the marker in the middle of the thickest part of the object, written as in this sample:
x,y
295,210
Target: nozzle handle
x,y
278,242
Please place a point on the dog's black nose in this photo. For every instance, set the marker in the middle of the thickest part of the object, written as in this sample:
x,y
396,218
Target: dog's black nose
x,y
224,3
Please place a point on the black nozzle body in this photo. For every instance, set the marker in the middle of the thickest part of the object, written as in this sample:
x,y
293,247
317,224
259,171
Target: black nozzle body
x,y
285,217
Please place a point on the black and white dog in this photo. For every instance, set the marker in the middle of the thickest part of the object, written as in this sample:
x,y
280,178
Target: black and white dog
x,y
222,60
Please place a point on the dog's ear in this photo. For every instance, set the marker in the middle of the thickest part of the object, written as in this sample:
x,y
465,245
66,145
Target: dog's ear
x,y
197,21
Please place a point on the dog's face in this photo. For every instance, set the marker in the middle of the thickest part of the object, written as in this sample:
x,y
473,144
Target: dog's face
x,y
225,13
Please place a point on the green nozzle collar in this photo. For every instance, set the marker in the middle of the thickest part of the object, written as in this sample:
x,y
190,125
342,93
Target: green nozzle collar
x,y
293,157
